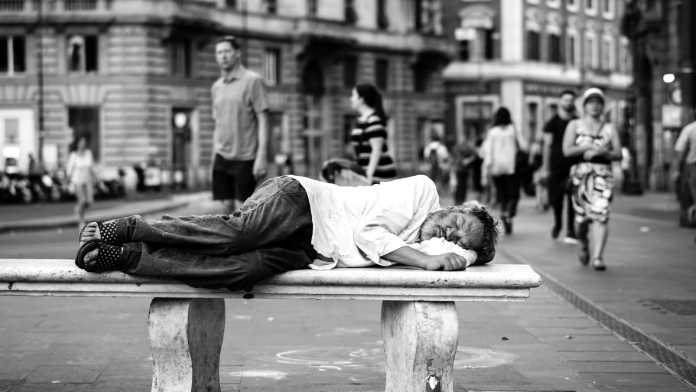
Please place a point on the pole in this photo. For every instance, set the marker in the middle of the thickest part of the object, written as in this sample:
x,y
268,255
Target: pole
x,y
40,74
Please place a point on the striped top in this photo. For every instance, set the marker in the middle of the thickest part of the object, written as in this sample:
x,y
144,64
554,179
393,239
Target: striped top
x,y
366,129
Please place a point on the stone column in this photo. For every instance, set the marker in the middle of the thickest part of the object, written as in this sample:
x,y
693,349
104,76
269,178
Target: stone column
x,y
186,339
420,342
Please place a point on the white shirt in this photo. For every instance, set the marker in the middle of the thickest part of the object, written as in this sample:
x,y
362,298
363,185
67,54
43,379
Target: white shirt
x,y
499,149
355,226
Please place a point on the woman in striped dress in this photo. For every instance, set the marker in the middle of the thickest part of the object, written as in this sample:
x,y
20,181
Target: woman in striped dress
x,y
369,137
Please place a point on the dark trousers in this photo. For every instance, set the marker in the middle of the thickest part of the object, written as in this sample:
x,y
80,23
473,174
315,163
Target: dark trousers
x,y
507,189
558,191
462,183
270,234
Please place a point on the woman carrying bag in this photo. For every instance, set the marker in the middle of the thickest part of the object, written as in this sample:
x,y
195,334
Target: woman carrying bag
x,y
500,154
594,143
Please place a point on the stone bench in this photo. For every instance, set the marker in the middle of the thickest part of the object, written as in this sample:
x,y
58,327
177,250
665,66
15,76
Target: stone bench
x,y
186,324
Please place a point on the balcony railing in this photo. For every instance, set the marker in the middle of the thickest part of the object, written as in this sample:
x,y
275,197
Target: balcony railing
x,y
80,5
11,5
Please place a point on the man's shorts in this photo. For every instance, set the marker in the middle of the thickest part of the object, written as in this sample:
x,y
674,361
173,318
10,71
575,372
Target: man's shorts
x,y
232,179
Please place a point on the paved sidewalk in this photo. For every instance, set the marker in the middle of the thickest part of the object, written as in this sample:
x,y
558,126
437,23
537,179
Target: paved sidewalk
x,y
21,217
647,294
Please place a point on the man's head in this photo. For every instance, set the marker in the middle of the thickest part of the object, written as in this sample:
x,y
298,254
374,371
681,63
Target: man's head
x,y
567,101
468,225
227,52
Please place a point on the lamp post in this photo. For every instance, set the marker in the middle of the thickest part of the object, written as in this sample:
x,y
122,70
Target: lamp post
x,y
40,75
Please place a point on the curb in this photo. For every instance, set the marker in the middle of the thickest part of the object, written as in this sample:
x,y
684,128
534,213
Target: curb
x,y
68,221
673,361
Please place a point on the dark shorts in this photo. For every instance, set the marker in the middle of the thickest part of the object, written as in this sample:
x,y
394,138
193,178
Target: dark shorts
x,y
232,179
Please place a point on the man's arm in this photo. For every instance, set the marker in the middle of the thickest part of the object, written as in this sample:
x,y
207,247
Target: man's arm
x,y
415,258
260,161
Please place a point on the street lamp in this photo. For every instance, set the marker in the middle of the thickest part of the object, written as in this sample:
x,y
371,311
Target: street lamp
x,y
668,78
40,75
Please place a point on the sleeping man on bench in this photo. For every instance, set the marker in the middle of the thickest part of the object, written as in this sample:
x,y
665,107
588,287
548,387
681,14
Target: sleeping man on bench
x,y
290,222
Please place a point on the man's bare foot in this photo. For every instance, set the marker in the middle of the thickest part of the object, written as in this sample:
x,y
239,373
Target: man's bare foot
x,y
90,232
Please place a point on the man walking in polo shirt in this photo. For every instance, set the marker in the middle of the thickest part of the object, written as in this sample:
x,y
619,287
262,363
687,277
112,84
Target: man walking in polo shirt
x,y
241,127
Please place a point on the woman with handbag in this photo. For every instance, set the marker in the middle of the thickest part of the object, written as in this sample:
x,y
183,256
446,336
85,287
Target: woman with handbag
x,y
595,144
503,147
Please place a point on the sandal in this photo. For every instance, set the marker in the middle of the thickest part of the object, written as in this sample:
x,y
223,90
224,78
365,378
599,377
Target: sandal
x,y
109,258
598,264
112,232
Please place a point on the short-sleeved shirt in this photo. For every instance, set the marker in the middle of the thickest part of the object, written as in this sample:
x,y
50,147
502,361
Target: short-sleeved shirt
x,y
236,104
556,127
365,129
687,140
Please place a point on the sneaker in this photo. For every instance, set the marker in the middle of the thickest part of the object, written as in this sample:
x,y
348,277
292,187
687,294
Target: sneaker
x,y
598,264
570,240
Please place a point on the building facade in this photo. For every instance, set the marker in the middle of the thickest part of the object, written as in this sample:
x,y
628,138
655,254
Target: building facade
x,y
522,53
135,76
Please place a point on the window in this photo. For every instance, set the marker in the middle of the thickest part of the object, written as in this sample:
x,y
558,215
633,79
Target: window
x,y
571,54
231,4
533,45
312,7
382,20
382,74
591,7
427,16
464,50
350,15
180,57
80,5
554,48
608,8
82,53
572,5
11,5
271,6
608,54
591,52
350,69
271,66
12,55
488,44
421,79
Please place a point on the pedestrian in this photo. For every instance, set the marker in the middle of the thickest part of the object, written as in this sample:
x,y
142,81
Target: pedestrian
x,y
81,176
369,137
437,155
537,182
556,167
500,148
685,172
463,158
477,175
288,222
595,143
240,108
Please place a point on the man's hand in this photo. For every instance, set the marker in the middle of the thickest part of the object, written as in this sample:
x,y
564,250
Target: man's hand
x,y
260,170
446,262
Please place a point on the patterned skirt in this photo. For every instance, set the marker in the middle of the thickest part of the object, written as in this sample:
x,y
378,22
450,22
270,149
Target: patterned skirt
x,y
592,191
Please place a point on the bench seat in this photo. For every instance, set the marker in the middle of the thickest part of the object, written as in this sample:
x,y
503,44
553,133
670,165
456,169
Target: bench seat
x,y
418,316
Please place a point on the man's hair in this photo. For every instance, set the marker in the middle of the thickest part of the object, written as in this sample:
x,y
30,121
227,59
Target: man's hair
x,y
230,39
568,91
331,168
489,236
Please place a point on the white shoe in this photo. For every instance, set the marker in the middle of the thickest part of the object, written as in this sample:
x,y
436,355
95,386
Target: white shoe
x,y
570,241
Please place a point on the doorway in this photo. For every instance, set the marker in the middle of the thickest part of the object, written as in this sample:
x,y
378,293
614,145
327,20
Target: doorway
x,y
84,121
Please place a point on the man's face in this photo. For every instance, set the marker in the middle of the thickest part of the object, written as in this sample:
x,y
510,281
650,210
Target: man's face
x,y
226,56
568,102
461,228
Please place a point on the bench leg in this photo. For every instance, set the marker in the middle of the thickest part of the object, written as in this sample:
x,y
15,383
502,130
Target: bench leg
x,y
420,341
186,338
